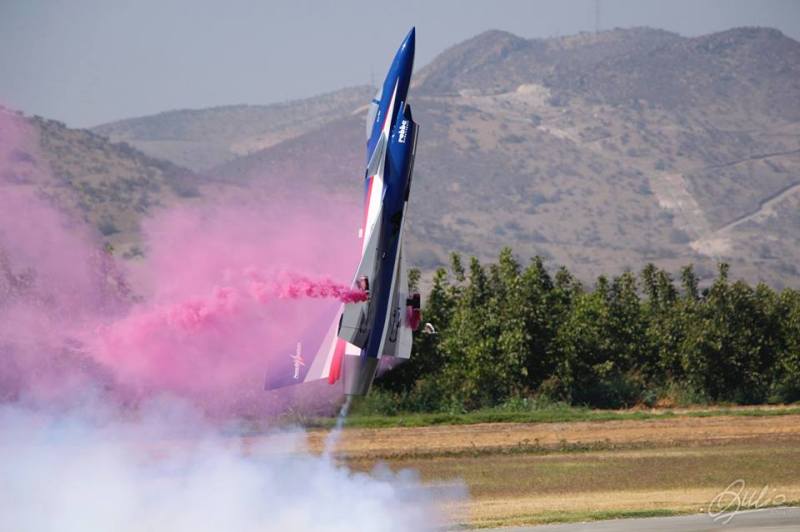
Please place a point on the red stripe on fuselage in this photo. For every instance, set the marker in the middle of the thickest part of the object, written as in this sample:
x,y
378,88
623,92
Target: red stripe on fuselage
x,y
336,363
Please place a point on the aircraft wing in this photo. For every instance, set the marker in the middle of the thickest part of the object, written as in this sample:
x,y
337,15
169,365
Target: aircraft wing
x,y
326,363
355,318
354,326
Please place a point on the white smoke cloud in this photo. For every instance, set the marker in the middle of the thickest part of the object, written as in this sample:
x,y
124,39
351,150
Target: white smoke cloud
x,y
164,469
71,461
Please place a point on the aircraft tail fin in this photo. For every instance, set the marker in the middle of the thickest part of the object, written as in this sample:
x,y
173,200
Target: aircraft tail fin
x,y
325,364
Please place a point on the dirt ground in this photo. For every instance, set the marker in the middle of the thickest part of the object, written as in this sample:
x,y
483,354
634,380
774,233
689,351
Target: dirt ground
x,y
457,439
526,488
520,473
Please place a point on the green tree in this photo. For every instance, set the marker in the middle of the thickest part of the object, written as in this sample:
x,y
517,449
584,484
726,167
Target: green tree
x,y
416,378
482,359
787,378
665,315
503,331
541,313
729,351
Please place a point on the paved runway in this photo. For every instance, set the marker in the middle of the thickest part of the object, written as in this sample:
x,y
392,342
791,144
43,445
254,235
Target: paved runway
x,y
772,520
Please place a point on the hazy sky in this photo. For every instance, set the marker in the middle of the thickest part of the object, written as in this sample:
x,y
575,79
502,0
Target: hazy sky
x,y
90,61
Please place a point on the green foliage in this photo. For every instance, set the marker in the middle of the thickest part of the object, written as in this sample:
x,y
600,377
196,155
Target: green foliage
x,y
786,387
413,280
731,345
376,411
509,337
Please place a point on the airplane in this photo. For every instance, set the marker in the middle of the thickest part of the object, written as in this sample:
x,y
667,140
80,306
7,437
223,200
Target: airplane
x,y
382,325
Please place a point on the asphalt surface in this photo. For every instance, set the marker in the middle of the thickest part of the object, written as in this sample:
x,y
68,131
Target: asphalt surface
x,y
771,520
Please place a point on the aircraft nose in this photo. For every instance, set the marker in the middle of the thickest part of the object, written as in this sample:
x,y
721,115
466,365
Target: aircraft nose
x,y
405,54
408,42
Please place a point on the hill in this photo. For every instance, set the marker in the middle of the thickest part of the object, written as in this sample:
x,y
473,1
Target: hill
x,y
110,186
601,152
201,138
598,151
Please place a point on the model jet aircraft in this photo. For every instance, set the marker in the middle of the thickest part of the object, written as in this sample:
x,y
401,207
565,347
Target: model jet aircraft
x,y
382,325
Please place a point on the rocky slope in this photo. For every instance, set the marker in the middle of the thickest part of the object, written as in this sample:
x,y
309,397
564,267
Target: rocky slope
x,y
111,187
598,151
601,152
201,138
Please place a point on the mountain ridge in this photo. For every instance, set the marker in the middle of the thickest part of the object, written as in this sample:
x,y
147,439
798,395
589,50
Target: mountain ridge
x,y
200,138
598,151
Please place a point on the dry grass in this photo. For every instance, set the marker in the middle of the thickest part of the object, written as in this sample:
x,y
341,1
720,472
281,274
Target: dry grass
x,y
398,443
550,472
531,473
530,488
598,505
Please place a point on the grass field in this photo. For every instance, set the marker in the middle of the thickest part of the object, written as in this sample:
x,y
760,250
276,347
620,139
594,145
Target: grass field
x,y
516,489
551,414
598,466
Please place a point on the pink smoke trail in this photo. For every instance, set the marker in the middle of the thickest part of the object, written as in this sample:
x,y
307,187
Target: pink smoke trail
x,y
203,344
295,286
227,288
226,302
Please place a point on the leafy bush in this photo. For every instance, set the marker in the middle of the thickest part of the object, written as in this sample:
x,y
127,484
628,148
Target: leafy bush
x,y
518,337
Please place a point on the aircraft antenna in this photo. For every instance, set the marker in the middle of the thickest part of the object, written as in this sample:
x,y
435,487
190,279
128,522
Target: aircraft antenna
x,y
596,16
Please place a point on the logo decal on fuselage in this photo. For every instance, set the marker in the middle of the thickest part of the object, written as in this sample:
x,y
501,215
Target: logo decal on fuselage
x,y
297,362
403,132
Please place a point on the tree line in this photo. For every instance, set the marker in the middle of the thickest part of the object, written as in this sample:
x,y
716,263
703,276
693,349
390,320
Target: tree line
x,y
506,332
